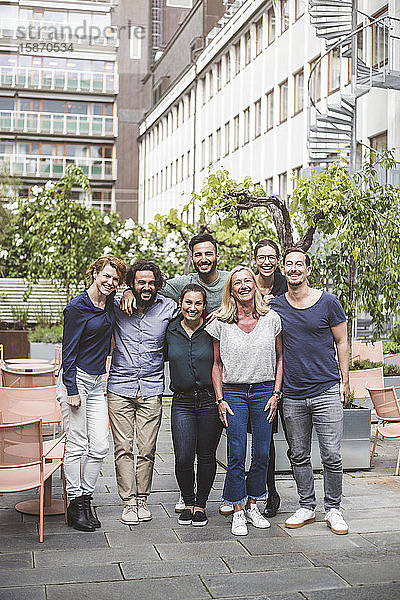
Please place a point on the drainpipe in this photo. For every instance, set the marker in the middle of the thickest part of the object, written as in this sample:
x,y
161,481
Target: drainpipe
x,y
354,45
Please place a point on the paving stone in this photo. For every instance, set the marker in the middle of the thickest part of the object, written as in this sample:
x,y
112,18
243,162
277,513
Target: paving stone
x,y
107,525
293,580
279,545
40,576
272,562
268,597
362,573
16,561
193,534
172,568
9,515
387,540
367,592
140,535
353,555
189,588
193,549
99,556
20,528
53,541
19,593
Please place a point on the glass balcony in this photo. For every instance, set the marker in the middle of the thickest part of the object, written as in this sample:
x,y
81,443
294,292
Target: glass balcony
x,y
54,33
58,80
48,167
57,123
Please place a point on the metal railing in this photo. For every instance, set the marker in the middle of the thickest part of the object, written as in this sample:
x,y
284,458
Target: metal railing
x,y
22,165
55,32
57,123
58,80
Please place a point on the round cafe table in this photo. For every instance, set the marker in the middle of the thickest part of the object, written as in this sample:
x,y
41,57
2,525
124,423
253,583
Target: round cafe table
x,y
27,360
31,366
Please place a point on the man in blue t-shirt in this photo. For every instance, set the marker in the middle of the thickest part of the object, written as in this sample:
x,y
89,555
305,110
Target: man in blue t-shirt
x,y
313,324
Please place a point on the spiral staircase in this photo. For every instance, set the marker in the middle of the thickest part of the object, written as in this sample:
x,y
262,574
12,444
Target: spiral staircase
x,y
367,50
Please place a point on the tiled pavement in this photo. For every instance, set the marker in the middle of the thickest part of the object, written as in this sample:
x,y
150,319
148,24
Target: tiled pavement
x,y
161,560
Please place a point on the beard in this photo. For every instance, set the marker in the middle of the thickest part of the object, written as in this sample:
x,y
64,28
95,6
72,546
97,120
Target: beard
x,y
213,267
141,302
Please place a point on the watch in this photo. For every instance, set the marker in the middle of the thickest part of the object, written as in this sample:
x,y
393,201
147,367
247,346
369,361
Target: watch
x,y
219,400
278,394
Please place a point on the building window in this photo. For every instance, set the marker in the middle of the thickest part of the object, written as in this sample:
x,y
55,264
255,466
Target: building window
x,y
247,48
227,67
380,34
269,110
218,73
296,176
283,101
257,118
156,185
180,3
299,8
227,137
188,163
236,132
177,170
271,25
298,91
211,84
283,186
259,36
166,177
203,154
284,15
246,125
378,143
315,83
333,70
210,148
269,186
237,57
135,42
102,200
182,167
203,90
218,143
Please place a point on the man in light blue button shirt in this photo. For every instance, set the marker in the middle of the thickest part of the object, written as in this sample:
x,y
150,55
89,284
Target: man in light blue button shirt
x,y
136,384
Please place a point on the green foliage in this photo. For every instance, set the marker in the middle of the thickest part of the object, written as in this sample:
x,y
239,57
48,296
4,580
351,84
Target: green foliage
x,y
350,402
20,313
395,333
48,334
388,370
391,347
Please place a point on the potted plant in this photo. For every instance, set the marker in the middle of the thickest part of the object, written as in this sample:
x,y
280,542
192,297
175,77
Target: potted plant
x,y
14,337
43,339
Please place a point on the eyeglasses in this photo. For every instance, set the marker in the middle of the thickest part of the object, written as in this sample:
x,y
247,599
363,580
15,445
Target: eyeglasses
x,y
262,258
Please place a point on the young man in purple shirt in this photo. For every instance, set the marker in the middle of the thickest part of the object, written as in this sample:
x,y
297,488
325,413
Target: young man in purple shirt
x,y
313,324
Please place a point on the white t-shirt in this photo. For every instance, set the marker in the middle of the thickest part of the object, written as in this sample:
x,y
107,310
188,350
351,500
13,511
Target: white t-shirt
x,y
247,357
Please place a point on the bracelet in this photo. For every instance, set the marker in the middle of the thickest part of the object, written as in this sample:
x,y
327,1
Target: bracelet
x,y
219,400
278,394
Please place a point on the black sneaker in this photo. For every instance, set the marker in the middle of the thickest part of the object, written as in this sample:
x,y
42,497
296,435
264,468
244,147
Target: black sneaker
x,y
272,505
199,518
185,518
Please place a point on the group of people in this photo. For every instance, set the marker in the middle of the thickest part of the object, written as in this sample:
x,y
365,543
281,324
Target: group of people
x,y
241,346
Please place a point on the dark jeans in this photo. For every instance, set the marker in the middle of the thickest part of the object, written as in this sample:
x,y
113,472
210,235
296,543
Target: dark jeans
x,y
196,430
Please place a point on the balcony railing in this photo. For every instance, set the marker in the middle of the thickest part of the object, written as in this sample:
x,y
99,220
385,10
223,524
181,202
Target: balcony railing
x,y
56,123
58,80
22,165
55,32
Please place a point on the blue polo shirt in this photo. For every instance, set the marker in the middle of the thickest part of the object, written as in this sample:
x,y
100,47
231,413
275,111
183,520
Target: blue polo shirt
x,y
309,362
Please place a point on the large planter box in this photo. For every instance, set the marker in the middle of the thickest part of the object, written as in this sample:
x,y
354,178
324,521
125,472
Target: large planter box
x,y
355,444
15,343
42,350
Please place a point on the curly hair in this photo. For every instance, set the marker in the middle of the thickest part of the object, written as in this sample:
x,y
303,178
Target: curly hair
x,y
98,265
145,265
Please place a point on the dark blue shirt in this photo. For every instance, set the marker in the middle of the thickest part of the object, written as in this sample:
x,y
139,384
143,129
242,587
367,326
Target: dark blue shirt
x,y
190,358
86,338
309,363
280,284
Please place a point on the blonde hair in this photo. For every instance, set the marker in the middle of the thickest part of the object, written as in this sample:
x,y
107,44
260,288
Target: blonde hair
x,y
228,311
98,265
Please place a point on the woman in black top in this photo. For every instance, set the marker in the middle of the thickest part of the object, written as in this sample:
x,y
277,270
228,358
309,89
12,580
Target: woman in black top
x,y
196,428
271,283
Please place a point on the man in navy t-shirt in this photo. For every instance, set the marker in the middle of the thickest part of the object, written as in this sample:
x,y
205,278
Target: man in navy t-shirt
x,y
313,324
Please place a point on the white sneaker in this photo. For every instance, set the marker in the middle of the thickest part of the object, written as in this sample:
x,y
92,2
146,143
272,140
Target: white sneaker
x,y
143,511
180,505
225,509
239,526
334,520
301,517
254,517
130,515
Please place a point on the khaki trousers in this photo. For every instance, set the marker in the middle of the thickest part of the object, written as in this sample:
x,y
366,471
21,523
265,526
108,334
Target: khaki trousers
x,y
127,415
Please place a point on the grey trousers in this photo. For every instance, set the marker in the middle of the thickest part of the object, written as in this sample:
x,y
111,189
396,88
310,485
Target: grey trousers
x,y
129,416
325,414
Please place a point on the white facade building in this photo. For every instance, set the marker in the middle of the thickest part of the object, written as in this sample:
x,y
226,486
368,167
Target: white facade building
x,y
243,104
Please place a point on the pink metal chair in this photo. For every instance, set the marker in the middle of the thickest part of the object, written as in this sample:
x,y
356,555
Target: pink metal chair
x,y
20,379
387,410
23,464
363,379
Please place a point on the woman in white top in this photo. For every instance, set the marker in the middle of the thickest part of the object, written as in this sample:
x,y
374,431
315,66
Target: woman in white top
x,y
247,379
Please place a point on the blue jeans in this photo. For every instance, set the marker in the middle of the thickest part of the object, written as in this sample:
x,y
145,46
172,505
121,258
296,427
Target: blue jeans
x,y
247,400
325,413
196,430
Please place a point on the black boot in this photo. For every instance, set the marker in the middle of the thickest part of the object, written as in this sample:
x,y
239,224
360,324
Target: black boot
x,y
87,498
76,515
272,505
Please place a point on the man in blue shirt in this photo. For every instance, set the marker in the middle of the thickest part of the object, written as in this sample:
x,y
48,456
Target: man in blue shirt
x,y
313,324
136,384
